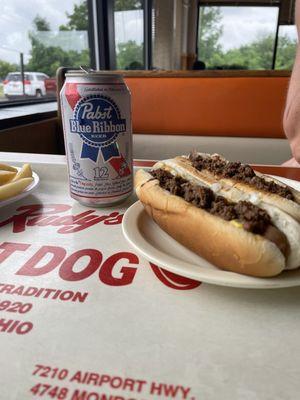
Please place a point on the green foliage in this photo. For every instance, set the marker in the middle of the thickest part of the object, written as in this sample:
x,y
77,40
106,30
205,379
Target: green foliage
x,y
130,55
41,24
6,67
286,53
255,55
210,31
78,20
48,58
124,5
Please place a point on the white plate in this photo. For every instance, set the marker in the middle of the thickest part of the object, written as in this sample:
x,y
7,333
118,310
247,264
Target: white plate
x,y
158,247
25,192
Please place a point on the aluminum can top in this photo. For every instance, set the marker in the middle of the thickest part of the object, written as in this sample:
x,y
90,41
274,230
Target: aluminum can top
x,y
94,76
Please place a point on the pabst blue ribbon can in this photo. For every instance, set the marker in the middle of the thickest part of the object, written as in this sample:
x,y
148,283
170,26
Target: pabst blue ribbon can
x,y
96,114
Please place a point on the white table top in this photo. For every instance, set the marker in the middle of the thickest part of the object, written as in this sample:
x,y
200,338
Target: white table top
x,y
205,342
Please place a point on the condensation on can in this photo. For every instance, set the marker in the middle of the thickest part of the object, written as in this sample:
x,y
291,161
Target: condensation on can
x,y
96,115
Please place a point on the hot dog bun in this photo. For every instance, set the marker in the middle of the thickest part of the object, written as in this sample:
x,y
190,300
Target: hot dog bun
x,y
224,244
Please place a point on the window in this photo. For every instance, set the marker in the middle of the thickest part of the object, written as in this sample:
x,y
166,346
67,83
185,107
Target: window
x,y
41,77
41,39
16,77
129,34
286,47
234,37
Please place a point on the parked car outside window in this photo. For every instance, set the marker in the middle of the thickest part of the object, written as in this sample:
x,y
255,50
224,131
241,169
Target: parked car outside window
x,y
34,84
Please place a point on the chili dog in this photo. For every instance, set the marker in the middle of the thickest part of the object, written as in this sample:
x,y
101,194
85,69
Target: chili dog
x,y
216,169
217,222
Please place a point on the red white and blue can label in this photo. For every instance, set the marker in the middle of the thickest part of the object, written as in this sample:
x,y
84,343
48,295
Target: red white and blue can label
x,y
97,128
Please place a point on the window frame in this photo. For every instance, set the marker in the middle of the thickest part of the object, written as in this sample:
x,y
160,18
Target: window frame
x,y
106,9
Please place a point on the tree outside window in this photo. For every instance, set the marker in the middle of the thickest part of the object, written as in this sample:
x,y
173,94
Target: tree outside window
x,y
256,53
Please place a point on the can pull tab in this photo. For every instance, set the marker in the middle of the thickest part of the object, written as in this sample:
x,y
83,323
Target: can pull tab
x,y
86,69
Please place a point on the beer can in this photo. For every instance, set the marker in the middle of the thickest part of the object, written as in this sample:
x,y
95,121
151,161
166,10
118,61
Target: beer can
x,y
96,115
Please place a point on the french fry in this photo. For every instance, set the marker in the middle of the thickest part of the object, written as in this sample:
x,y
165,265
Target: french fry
x,y
6,176
13,188
6,167
25,172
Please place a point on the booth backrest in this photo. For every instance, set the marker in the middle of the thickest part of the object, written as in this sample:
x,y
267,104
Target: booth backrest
x,y
238,116
250,106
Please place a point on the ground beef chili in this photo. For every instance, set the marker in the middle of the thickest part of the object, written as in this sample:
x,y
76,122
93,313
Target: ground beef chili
x,y
238,171
250,216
